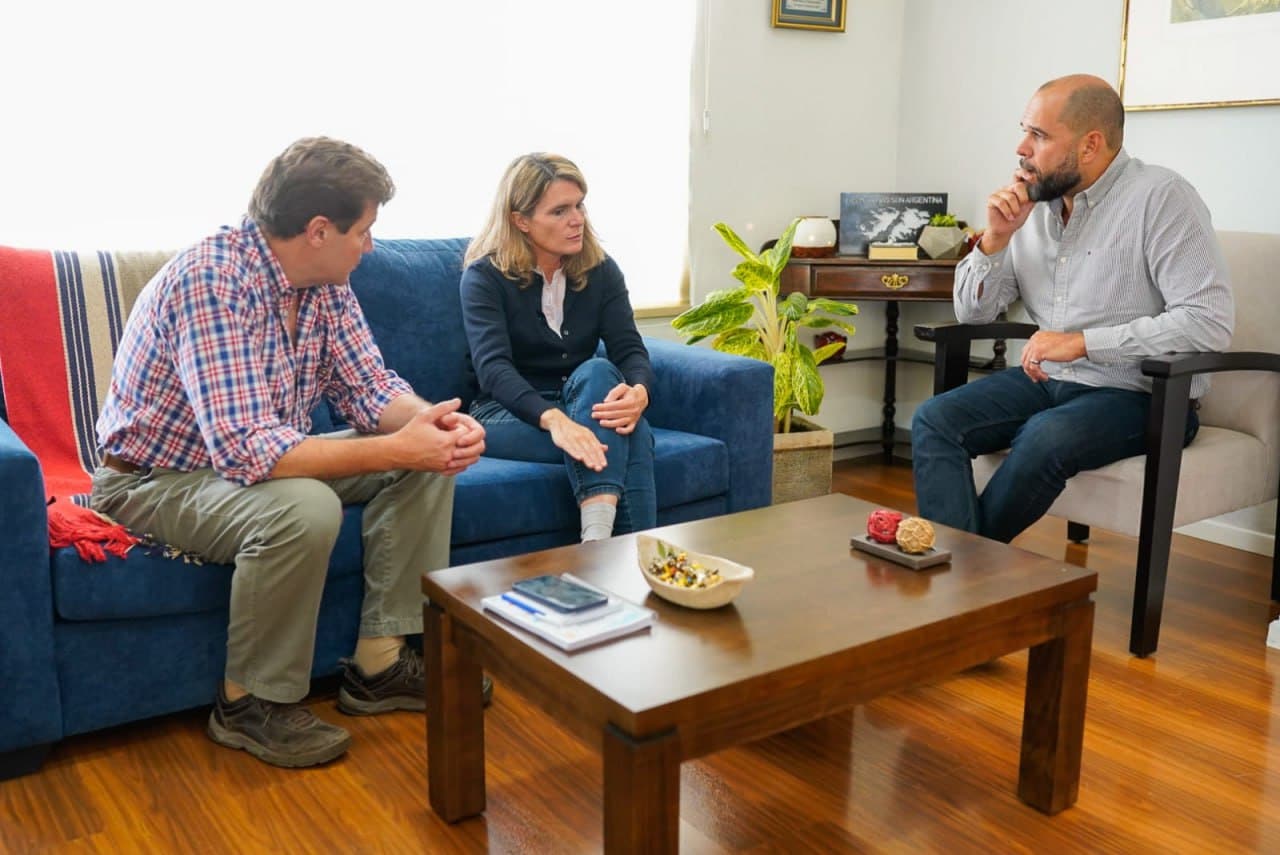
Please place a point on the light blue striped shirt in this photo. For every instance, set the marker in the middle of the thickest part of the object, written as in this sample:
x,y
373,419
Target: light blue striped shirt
x,y
1137,268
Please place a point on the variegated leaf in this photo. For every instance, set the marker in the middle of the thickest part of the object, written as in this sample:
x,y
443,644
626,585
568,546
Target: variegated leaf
x,y
827,350
713,319
743,342
834,307
806,382
731,238
755,276
783,396
782,249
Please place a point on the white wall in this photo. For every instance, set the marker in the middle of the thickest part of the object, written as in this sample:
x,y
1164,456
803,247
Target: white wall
x,y
795,116
927,96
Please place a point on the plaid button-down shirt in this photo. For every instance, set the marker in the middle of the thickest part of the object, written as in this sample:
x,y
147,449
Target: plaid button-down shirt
x,y
206,375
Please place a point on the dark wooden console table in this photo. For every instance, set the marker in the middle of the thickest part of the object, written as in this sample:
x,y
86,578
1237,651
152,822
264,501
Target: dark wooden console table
x,y
845,277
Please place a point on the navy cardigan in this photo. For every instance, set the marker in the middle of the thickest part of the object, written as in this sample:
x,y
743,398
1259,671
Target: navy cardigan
x,y
514,354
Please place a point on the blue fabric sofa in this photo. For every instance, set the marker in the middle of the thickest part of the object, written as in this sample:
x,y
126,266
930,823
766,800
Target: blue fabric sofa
x,y
85,646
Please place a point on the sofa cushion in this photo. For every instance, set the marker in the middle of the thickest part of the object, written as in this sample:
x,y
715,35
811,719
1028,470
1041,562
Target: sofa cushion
x,y
408,290
499,498
1219,469
147,584
495,500
688,467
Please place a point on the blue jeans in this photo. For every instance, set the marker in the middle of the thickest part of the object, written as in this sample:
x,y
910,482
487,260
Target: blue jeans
x,y
1052,429
628,471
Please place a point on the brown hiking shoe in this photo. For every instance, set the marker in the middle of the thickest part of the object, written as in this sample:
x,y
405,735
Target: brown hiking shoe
x,y
280,734
399,687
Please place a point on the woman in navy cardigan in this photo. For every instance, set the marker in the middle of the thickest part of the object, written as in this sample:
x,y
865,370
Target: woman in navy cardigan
x,y
538,297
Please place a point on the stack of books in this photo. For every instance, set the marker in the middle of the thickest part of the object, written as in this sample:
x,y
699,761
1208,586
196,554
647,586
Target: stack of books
x,y
892,251
571,630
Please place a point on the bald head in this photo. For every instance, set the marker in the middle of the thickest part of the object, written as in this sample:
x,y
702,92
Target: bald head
x,y
1089,103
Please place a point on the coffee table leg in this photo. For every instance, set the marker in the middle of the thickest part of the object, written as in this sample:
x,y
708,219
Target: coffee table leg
x,y
1053,718
641,792
455,722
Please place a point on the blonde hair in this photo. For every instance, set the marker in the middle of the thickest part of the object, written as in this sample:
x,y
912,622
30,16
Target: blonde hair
x,y
521,188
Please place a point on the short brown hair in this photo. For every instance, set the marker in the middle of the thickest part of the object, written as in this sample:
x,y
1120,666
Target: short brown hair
x,y
318,177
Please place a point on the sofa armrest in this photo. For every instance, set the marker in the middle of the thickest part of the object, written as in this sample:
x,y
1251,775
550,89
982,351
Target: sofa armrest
x,y
952,343
28,672
703,391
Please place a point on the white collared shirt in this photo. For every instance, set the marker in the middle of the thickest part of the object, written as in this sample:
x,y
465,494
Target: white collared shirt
x,y
1137,269
553,299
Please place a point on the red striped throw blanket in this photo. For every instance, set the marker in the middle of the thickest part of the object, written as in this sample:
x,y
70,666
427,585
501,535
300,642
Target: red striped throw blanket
x,y
60,325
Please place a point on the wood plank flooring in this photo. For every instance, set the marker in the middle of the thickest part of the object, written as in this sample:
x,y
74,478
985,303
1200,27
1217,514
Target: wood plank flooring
x,y
1181,754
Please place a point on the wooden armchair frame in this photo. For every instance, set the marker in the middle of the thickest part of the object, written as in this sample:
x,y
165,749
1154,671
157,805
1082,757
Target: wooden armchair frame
x,y
1171,376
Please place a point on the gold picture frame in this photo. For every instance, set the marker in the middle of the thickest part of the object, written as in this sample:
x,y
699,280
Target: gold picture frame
x,y
809,15
1182,54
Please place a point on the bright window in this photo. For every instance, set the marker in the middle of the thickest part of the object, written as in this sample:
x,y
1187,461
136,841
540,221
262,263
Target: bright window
x,y
136,124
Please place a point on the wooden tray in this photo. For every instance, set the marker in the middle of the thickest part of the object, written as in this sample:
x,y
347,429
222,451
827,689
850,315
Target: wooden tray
x,y
893,553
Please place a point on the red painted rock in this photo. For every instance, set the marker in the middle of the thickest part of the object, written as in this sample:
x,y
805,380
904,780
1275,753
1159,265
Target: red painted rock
x,y
882,525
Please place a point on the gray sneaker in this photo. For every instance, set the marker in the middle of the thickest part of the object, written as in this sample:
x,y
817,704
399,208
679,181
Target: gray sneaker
x,y
280,734
399,687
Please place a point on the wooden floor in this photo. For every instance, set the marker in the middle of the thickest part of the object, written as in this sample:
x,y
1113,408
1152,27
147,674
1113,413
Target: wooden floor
x,y
1181,754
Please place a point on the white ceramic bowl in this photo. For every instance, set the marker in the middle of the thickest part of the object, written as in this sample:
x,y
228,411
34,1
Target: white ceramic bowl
x,y
815,233
815,237
732,576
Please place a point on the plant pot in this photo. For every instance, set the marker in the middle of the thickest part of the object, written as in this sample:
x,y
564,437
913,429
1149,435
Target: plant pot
x,y
802,462
942,241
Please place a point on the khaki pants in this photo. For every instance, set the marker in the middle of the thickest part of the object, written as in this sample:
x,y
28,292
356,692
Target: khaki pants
x,y
279,535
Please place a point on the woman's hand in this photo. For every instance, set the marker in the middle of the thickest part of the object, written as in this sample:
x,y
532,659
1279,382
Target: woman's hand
x,y
622,407
574,440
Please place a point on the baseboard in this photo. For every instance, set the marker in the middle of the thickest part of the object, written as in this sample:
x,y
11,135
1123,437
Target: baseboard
x,y
1231,535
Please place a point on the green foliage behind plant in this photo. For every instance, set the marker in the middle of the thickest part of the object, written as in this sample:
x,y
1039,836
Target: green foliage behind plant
x,y
751,321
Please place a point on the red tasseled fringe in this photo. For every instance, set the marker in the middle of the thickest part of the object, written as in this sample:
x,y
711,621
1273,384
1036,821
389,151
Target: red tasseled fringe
x,y
91,533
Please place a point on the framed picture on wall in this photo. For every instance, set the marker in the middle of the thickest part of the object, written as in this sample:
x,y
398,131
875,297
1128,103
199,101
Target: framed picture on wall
x,y
809,14
1176,54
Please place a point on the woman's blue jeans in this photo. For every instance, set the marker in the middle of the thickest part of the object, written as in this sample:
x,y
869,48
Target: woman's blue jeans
x,y
628,471
1053,429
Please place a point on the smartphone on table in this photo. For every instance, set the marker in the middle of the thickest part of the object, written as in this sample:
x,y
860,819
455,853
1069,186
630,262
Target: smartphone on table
x,y
559,594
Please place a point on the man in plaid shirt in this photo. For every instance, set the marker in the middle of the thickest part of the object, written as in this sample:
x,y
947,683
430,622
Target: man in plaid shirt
x,y
205,443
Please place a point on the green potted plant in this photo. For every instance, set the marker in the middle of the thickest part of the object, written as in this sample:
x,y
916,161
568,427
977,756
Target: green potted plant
x,y
944,237
750,320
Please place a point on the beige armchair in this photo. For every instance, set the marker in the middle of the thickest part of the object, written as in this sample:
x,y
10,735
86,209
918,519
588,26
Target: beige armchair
x,y
1233,463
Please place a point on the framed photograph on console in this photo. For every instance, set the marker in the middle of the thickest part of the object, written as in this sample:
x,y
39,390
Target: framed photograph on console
x,y
809,14
1176,54
867,218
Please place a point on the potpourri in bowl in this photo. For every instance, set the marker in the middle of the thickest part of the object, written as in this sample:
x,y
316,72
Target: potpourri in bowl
x,y
688,578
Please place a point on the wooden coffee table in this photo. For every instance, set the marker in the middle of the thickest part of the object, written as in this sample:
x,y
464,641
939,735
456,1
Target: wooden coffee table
x,y
821,629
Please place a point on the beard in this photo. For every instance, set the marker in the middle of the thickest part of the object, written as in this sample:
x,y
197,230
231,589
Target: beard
x,y
1056,183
